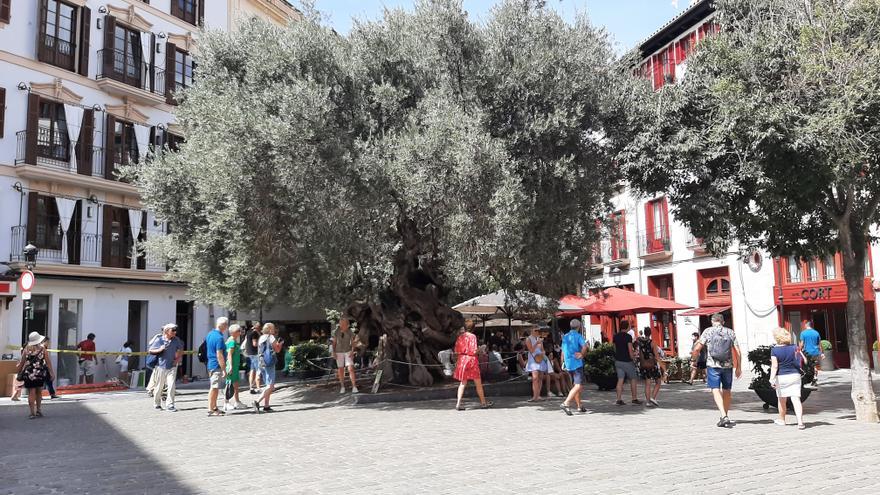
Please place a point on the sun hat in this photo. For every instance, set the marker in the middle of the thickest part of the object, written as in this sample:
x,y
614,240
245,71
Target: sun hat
x,y
34,338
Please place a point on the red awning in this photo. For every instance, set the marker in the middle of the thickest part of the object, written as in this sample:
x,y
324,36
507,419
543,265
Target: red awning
x,y
619,302
710,310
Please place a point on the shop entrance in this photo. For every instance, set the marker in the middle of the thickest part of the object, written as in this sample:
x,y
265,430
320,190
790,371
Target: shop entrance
x,y
831,324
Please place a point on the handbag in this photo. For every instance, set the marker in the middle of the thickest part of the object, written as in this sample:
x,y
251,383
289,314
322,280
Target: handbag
x,y
230,389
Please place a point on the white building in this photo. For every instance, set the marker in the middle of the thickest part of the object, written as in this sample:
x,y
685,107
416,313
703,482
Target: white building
x,y
87,86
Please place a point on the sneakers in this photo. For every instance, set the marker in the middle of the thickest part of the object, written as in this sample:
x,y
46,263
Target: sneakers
x,y
583,410
354,390
171,409
636,402
565,409
778,422
254,391
654,402
649,404
158,408
620,403
724,422
257,406
342,389
239,406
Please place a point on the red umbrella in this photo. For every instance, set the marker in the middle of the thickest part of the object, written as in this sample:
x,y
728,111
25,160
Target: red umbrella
x,y
617,302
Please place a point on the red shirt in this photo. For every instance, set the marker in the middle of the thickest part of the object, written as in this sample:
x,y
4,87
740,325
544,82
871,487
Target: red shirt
x,y
87,345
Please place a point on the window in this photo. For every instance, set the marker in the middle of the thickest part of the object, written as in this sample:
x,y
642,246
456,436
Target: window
x,y
187,10
127,55
718,287
183,69
830,268
173,141
57,44
794,270
813,269
53,141
125,148
618,236
48,229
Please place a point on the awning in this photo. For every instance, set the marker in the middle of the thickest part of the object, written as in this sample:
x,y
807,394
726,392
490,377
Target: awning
x,y
711,310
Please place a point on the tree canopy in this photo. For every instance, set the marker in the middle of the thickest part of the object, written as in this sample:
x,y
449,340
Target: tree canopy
x,y
772,140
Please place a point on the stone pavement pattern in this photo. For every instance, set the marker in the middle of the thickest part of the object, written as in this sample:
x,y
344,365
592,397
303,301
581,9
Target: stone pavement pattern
x,y
117,443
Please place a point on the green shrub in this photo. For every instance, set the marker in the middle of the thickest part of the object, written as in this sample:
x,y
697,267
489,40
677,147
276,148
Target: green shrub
x,y
760,358
599,361
308,356
678,369
825,345
877,345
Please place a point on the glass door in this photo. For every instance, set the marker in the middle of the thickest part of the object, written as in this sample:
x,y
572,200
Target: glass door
x,y
840,340
69,324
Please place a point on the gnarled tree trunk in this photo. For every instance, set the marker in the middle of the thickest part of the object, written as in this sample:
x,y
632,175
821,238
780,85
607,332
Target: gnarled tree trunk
x,y
410,314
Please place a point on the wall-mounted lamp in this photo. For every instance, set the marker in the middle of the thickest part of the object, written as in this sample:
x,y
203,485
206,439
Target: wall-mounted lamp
x,y
102,9
96,107
93,199
162,127
18,187
22,86
162,35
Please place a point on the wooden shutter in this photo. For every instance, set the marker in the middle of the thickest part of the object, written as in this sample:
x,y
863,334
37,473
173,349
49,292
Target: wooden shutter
x,y
41,25
74,235
2,110
109,148
86,145
200,20
170,72
142,255
33,199
109,45
5,11
176,10
84,38
665,232
106,231
649,227
33,122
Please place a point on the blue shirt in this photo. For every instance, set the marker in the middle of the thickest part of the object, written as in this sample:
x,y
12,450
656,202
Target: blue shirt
x,y
810,337
787,358
572,343
166,358
214,342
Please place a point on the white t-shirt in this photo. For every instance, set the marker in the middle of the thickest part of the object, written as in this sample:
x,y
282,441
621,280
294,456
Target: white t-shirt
x,y
124,357
264,338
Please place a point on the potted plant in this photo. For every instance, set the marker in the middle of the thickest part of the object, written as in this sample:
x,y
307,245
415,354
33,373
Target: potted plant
x,y
876,354
599,366
307,360
760,358
826,363
678,369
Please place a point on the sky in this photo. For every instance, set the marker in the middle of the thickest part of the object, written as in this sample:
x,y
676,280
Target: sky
x,y
628,21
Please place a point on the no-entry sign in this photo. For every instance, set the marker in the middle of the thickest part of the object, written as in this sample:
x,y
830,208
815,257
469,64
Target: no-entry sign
x,y
26,281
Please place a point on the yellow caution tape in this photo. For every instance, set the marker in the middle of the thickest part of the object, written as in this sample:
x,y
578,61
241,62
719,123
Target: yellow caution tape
x,y
96,353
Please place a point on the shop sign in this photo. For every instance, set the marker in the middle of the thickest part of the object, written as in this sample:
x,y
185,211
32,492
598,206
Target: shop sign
x,y
815,293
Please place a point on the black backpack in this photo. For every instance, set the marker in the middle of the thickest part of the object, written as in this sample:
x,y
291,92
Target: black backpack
x,y
647,359
203,352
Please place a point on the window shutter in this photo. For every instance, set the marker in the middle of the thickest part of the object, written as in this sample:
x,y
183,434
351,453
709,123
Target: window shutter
x,y
33,121
170,72
109,45
5,11
2,110
106,231
200,20
33,199
84,37
649,221
85,147
665,217
109,149
175,9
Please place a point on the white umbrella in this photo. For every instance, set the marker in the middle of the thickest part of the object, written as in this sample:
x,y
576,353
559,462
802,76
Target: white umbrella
x,y
509,304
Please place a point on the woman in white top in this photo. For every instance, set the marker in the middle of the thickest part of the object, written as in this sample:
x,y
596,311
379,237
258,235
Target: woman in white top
x,y
537,363
122,361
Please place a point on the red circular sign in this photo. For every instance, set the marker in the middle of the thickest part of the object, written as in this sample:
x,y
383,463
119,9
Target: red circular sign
x,y
27,280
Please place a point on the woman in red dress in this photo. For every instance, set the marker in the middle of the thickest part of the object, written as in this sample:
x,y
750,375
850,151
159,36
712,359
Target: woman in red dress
x,y
467,366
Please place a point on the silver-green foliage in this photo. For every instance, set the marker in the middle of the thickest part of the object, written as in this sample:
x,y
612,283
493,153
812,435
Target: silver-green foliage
x,y
313,160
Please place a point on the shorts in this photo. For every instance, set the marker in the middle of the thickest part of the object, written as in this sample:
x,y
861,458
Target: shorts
x,y
254,363
626,369
577,376
719,378
268,375
88,367
216,376
701,365
788,385
343,359
650,374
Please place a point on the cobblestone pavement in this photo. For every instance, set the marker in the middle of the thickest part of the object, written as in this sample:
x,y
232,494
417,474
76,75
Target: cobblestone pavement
x,y
117,443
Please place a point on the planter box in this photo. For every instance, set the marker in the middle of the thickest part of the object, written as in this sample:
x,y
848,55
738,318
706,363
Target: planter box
x,y
605,382
827,364
768,395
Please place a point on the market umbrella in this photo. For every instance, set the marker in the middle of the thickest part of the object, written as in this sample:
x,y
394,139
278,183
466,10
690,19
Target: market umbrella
x,y
616,302
510,304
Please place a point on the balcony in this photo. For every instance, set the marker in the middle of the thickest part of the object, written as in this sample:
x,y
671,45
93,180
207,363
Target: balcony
x,y
53,152
654,245
618,253
57,52
696,244
126,76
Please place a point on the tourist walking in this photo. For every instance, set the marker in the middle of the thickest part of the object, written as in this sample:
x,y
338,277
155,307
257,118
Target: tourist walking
x,y
722,362
150,364
249,346
624,354
467,365
574,347
268,347
649,367
343,344
169,350
87,360
537,362
698,365
122,362
786,361
811,347
33,370
233,366
215,350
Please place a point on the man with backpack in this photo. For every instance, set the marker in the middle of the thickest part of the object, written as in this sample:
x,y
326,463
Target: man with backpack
x,y
723,360
268,347
649,367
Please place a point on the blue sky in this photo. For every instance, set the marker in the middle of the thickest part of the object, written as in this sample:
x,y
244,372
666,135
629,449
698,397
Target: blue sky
x,y
628,21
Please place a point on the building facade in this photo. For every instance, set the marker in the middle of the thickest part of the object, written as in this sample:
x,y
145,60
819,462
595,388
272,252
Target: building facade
x,y
647,250
88,87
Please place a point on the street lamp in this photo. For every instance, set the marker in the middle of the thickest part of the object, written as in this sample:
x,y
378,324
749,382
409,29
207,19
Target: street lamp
x,y
615,275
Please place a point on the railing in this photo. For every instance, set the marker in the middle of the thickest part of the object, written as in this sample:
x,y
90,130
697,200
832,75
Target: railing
x,y
654,241
81,249
57,155
618,250
56,51
131,70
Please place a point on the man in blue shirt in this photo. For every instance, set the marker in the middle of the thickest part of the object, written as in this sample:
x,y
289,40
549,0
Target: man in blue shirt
x,y
216,349
573,349
810,345
169,348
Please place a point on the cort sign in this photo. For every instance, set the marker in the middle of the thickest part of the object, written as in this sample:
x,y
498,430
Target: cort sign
x,y
816,293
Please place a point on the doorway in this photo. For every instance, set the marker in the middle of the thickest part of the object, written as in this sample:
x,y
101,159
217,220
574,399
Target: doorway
x,y
183,320
137,330
69,324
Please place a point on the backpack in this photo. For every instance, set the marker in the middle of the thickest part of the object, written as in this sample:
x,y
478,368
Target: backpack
x,y
720,344
152,360
203,352
267,355
647,359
